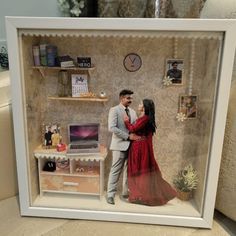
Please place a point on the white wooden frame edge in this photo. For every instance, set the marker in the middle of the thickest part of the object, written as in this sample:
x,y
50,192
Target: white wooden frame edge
x,y
226,26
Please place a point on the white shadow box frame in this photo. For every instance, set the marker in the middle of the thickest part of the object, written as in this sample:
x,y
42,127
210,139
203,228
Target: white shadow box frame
x,y
91,25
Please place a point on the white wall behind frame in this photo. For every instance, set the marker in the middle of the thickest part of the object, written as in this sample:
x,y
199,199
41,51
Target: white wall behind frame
x,y
25,8
218,9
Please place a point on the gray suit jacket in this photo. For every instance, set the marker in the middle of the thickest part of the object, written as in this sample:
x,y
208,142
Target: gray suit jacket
x,y
117,126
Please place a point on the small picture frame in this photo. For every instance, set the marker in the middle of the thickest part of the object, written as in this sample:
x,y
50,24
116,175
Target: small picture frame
x,y
84,62
51,135
175,71
188,106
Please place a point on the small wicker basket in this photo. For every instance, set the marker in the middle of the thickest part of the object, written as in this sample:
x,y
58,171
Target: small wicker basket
x,y
184,196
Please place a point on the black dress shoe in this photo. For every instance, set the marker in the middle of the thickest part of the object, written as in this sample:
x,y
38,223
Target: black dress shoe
x,y
110,200
125,196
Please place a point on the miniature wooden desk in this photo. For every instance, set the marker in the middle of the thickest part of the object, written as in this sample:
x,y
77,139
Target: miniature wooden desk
x,y
83,175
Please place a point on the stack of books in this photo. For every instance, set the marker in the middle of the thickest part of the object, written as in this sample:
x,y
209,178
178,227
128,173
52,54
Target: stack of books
x,y
45,55
65,61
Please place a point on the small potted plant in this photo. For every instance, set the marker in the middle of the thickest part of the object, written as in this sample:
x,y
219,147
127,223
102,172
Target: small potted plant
x,y
78,8
185,182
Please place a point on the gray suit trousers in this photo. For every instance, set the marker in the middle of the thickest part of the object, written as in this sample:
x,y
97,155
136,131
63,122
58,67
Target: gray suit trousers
x,y
119,162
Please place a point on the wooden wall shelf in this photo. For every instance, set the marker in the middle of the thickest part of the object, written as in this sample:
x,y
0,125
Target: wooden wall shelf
x,y
42,69
80,99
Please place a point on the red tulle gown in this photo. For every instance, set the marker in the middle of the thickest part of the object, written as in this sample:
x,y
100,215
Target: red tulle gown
x,y
145,183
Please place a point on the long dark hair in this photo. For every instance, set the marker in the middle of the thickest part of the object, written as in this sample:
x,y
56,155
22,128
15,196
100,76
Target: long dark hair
x,y
149,108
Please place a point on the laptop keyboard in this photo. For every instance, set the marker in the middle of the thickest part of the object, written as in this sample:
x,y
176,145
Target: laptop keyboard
x,y
83,146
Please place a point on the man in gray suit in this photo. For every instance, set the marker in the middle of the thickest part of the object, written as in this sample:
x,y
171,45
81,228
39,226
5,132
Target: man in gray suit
x,y
120,143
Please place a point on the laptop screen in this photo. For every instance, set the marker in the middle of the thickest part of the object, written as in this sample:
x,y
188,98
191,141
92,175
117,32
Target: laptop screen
x,y
83,132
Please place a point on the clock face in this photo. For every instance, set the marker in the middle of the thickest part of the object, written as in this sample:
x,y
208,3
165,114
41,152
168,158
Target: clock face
x,y
132,62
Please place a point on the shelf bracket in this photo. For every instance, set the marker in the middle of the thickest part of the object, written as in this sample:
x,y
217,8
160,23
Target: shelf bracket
x,y
42,72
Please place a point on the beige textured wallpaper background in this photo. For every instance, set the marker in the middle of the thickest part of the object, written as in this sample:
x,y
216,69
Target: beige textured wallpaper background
x,y
176,144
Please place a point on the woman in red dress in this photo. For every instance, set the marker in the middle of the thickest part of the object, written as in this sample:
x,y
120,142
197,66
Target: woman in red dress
x,y
145,182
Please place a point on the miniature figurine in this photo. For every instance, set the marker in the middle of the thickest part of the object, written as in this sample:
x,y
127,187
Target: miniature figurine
x,y
145,183
48,137
56,138
119,144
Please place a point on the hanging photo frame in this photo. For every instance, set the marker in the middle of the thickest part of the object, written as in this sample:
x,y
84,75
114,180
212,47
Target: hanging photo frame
x,y
188,103
188,106
174,71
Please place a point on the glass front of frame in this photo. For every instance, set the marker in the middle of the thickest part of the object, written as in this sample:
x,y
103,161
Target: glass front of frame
x,y
184,114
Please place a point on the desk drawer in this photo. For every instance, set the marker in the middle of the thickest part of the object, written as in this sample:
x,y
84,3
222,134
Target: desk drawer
x,y
70,183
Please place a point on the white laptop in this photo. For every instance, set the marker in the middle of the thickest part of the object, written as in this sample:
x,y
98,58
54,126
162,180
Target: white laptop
x,y
83,138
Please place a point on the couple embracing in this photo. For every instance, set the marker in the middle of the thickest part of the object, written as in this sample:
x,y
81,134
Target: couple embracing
x,y
132,152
